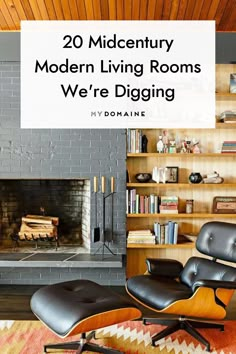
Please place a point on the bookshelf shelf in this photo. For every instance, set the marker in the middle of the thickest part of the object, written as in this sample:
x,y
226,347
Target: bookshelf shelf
x,y
179,155
225,96
188,245
181,185
225,125
182,215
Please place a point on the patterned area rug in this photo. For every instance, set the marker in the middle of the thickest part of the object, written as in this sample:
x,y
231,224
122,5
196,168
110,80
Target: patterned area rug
x,y
28,337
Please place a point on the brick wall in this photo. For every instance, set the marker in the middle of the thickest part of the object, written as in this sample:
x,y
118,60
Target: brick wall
x,y
50,275
66,153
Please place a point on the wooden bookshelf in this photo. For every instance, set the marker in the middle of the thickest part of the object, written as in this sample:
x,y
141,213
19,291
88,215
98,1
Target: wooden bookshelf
x,y
209,160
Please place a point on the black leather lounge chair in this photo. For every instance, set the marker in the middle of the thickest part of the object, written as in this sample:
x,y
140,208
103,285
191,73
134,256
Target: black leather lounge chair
x,y
78,307
201,289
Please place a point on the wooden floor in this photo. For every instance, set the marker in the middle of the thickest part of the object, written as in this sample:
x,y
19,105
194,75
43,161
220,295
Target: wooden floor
x,y
15,302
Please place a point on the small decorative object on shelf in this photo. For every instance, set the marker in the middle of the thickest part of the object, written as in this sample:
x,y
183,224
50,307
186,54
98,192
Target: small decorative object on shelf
x,y
195,177
160,145
172,148
213,178
144,143
127,177
143,177
162,174
183,149
155,174
189,206
195,147
224,205
169,174
165,141
232,86
188,145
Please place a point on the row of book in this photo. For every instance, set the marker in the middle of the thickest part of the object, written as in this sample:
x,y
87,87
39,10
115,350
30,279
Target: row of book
x,y
134,140
169,204
150,204
228,117
166,233
163,234
228,146
141,236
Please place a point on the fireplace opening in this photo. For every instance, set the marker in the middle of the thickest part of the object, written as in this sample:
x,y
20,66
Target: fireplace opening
x,y
66,199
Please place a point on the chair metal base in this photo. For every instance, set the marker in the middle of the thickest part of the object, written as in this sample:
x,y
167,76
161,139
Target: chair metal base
x,y
185,324
82,345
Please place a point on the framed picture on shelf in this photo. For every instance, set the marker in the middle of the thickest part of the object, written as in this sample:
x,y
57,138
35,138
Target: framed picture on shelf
x,y
172,174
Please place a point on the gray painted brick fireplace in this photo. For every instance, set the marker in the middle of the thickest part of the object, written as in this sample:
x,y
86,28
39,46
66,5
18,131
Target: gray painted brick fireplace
x,y
61,154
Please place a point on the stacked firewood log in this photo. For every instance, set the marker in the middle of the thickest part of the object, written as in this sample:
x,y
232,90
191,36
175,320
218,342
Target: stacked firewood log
x,y
38,227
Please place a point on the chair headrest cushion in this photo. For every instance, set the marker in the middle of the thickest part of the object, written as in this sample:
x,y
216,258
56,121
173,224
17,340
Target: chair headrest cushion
x,y
218,239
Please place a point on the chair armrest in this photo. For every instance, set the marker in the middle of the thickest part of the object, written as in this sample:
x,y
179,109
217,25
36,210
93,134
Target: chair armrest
x,y
164,267
214,284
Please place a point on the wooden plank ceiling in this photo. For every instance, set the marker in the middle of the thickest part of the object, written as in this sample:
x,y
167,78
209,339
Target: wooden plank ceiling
x,y
222,11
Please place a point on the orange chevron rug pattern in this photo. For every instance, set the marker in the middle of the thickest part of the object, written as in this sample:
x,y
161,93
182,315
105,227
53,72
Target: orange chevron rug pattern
x,y
28,337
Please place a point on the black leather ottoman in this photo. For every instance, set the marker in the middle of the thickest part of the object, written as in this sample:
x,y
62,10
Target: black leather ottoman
x,y
80,306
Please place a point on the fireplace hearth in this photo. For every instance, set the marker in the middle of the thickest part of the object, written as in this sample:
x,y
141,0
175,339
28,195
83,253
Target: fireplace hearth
x,y
66,199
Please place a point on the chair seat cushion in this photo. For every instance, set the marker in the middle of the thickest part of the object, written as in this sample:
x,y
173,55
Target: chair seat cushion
x,y
80,306
157,292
